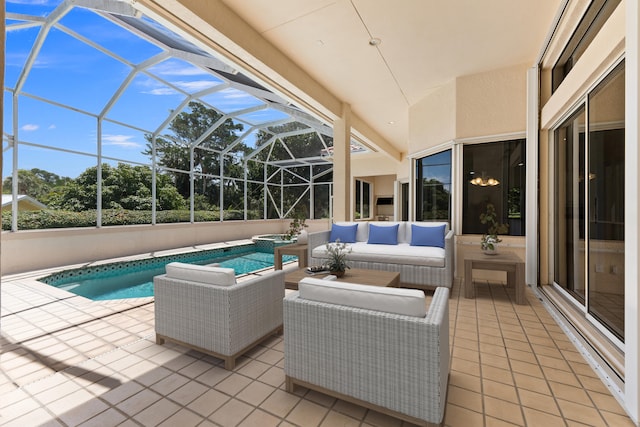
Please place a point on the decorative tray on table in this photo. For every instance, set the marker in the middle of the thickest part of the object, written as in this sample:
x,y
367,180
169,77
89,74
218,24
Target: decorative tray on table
x,y
315,269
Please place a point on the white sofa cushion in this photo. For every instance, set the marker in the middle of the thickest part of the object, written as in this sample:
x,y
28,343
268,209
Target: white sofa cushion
x,y
409,302
201,273
402,253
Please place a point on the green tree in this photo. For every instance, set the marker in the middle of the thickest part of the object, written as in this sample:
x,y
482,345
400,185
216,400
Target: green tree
x,y
35,182
123,187
436,200
186,128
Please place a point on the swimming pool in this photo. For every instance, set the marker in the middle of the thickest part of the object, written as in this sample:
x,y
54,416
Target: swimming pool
x,y
134,279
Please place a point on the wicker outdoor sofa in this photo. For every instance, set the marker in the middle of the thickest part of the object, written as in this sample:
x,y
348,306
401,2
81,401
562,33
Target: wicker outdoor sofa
x,y
202,307
423,261
373,346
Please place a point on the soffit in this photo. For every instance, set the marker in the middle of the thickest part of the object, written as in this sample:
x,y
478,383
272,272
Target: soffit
x,y
424,45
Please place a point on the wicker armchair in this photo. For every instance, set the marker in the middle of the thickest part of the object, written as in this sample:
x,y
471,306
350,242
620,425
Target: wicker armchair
x,y
397,364
205,309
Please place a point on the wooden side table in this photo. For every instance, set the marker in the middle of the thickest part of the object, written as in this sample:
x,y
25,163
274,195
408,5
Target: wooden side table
x,y
293,249
507,261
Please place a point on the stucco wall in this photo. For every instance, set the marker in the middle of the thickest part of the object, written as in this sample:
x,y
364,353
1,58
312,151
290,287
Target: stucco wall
x,y
432,121
374,164
492,103
38,249
479,105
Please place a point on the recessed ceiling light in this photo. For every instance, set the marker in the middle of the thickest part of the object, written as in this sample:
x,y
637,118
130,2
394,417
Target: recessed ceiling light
x,y
375,41
391,122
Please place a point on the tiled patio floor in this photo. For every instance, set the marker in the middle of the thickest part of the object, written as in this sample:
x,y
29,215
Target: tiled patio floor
x,y
67,362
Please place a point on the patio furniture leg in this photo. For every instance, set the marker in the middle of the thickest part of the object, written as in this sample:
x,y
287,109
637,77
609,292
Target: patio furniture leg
x,y
229,363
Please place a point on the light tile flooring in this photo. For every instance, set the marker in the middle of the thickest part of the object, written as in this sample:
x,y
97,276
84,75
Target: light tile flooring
x,y
69,362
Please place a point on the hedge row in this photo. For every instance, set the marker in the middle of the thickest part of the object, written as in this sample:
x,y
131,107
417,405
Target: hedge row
x,y
43,219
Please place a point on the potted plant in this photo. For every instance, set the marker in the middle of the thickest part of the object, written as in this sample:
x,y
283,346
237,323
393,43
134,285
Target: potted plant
x,y
297,229
490,240
337,257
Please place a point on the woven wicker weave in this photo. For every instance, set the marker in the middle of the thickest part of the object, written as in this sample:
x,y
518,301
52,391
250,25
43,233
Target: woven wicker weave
x,y
224,321
394,363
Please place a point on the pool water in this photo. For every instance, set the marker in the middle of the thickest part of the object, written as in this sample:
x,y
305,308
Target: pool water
x,y
134,279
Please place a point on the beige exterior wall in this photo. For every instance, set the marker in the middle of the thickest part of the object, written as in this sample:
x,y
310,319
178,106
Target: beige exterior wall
x,y
38,249
374,164
492,103
432,121
383,185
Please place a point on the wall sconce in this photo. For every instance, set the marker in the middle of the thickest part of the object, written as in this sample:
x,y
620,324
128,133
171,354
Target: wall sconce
x,y
483,181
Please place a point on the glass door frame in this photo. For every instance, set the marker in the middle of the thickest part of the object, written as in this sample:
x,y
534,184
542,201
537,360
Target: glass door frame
x,y
583,101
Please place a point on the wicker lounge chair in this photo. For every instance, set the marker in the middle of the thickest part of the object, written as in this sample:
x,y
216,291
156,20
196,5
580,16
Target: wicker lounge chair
x,y
376,347
205,309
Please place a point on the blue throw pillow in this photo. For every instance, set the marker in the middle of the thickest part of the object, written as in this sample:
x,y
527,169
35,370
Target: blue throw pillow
x,y
383,234
346,233
427,235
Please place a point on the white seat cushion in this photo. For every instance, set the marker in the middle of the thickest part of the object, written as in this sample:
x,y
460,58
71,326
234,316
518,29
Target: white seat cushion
x,y
201,273
402,253
408,302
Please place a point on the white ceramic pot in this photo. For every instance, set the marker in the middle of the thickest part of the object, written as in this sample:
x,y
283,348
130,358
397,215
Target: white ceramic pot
x,y
303,237
494,251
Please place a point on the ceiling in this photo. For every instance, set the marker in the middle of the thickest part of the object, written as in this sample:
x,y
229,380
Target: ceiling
x,y
423,45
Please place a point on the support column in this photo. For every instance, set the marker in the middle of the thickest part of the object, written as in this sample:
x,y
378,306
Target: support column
x,y
342,166
631,213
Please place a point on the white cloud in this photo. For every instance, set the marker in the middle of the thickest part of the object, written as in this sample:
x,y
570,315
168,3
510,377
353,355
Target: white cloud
x,y
195,86
234,94
30,127
161,91
123,141
172,68
51,127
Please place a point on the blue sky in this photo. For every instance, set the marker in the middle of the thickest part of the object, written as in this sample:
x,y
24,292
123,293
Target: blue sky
x,y
70,72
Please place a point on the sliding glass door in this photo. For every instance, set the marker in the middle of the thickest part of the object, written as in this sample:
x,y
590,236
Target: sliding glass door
x,y
569,232
606,202
589,204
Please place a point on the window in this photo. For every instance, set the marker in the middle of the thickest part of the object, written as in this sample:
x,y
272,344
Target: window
x,y
494,173
363,199
592,21
433,187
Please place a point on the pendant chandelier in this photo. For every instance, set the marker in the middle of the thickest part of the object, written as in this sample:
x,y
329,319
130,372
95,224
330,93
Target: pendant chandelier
x,y
484,181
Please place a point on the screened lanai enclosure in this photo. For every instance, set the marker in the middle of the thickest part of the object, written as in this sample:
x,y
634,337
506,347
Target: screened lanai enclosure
x,y
113,118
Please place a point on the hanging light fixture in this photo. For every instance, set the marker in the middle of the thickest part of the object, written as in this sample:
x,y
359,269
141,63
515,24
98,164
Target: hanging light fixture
x,y
483,181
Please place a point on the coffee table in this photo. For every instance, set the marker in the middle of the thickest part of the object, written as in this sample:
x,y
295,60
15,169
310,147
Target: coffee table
x,y
352,275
